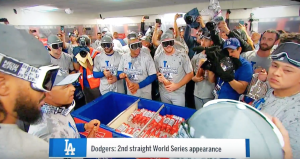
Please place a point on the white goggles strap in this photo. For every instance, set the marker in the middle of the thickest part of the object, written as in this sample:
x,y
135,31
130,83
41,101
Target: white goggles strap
x,y
18,69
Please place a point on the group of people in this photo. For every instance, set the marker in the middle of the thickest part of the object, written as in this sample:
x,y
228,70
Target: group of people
x,y
183,70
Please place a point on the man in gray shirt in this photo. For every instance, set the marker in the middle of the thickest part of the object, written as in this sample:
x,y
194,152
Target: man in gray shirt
x,y
22,56
204,79
283,99
63,60
139,68
174,71
106,67
260,59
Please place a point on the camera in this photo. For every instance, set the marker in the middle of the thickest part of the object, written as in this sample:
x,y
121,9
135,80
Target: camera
x,y
191,18
83,53
211,25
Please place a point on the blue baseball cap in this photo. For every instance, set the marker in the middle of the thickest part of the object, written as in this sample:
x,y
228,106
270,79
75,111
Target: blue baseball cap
x,y
232,43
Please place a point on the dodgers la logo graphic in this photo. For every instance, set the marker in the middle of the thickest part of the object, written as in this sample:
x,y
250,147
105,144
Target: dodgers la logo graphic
x,y
228,42
168,71
133,72
69,148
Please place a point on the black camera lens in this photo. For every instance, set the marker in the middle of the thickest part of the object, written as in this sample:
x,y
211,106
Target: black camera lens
x,y
189,19
83,54
211,25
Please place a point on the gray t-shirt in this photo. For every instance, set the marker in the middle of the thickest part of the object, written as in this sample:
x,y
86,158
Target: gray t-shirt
x,y
70,48
15,143
55,126
65,62
287,110
204,88
110,62
257,61
173,67
138,69
97,44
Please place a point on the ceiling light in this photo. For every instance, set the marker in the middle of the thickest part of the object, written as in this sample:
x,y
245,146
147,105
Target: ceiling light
x,y
42,8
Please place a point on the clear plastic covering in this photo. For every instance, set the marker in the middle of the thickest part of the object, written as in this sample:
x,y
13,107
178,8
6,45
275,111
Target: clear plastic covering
x,y
213,11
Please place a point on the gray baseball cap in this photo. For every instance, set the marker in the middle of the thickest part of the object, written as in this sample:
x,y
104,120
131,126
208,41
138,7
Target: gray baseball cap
x,y
230,119
146,38
52,39
22,46
106,39
132,36
167,35
64,78
109,34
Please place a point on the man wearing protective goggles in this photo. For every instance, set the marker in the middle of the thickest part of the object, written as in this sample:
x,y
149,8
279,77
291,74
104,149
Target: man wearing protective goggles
x,y
282,100
57,121
137,68
106,68
24,78
63,60
174,71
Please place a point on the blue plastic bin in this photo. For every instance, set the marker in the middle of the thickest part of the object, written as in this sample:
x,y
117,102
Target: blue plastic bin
x,y
110,105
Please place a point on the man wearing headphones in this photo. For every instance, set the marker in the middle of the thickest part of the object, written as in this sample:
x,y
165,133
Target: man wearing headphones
x,y
24,79
260,59
83,62
106,68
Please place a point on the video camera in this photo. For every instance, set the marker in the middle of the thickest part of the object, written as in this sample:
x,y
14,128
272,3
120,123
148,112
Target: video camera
x,y
218,58
82,44
191,18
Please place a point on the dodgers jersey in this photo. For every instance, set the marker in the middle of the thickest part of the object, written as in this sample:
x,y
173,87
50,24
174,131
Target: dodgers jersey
x,y
54,126
137,70
173,67
109,62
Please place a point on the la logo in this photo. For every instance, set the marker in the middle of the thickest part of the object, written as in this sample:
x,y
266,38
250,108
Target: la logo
x,y
228,42
69,148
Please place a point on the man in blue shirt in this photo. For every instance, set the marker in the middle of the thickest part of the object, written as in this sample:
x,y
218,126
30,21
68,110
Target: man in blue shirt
x,y
231,87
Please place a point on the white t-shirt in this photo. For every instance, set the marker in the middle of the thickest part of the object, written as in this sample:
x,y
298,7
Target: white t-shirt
x,y
118,46
70,48
17,144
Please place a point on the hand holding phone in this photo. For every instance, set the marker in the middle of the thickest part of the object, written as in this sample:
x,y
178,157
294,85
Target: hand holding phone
x,y
180,15
146,17
62,29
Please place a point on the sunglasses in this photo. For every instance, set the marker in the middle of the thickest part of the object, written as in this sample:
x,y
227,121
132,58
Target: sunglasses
x,y
106,45
135,46
57,45
168,43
